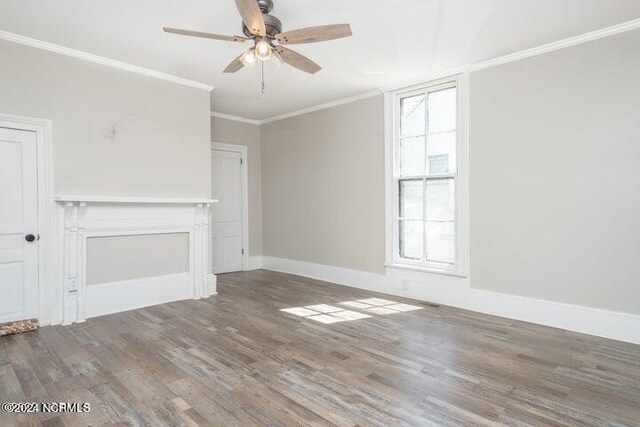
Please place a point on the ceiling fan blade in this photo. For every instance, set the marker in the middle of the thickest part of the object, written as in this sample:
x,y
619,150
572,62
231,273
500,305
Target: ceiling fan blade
x,y
252,16
315,34
204,35
296,60
235,65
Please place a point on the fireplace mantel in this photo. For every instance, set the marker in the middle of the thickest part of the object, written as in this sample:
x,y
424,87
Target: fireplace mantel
x,y
84,217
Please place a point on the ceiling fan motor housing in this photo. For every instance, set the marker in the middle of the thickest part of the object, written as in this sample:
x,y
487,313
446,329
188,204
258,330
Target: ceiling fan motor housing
x,y
272,24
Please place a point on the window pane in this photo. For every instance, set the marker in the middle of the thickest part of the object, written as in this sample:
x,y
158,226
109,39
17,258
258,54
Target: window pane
x,y
412,156
442,110
441,153
412,199
413,115
440,200
411,240
441,242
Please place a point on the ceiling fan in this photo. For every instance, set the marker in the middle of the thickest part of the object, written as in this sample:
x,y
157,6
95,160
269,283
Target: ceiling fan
x,y
266,32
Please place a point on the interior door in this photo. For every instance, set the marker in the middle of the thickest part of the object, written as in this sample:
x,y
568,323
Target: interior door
x,y
18,225
226,226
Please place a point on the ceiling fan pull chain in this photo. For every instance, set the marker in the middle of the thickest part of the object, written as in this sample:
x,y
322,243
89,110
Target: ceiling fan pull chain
x,y
262,63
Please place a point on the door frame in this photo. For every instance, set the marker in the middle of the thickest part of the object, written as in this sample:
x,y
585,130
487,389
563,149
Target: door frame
x,y
49,295
244,197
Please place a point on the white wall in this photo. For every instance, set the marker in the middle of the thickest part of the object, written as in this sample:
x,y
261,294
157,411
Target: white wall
x,y
115,133
555,175
233,132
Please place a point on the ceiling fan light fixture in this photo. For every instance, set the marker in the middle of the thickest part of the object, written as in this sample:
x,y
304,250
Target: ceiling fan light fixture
x,y
248,58
263,50
277,59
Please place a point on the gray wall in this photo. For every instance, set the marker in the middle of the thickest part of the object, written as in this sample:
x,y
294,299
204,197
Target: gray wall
x,y
233,132
118,258
554,178
555,175
323,186
115,133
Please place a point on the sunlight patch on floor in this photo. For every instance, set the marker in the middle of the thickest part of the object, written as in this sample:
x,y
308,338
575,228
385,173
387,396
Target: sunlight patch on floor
x,y
323,308
327,314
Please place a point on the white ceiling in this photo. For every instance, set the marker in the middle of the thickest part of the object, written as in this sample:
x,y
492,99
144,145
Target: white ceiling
x,y
394,41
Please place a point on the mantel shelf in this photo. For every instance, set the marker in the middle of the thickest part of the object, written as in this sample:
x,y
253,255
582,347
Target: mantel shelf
x,y
113,199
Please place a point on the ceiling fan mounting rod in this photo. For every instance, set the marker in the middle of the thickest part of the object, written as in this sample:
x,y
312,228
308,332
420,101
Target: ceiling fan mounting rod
x,y
266,6
273,26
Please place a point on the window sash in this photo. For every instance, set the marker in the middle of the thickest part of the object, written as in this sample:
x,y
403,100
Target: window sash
x,y
425,220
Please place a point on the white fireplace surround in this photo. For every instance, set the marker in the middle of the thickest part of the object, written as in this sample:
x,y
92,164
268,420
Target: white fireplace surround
x,y
82,217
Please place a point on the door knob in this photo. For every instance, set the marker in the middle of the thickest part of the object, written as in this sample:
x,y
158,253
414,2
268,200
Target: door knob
x,y
30,238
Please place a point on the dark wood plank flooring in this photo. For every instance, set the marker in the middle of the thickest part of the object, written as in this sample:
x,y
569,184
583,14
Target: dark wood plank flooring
x,y
236,359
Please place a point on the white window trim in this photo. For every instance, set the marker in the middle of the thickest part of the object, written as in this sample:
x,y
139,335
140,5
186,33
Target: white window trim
x,y
462,179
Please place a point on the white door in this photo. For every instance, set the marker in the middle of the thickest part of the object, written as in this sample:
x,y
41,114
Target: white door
x,y
18,224
226,222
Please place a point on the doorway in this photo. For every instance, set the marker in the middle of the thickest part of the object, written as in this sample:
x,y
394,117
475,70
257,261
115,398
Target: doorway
x,y
28,238
19,238
229,216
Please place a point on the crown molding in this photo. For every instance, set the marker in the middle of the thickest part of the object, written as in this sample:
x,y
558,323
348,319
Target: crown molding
x,y
516,56
235,118
558,45
325,106
319,107
410,85
523,54
78,54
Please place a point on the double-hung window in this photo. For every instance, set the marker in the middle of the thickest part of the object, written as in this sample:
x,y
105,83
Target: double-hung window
x,y
427,181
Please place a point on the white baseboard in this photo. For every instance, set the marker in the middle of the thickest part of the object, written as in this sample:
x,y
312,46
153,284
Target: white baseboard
x,y
456,292
255,263
108,298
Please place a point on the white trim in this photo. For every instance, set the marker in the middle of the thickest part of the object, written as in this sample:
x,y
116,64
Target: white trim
x,y
456,292
48,244
86,56
107,298
117,199
301,112
419,83
235,118
255,263
560,44
389,131
242,149
391,111
325,106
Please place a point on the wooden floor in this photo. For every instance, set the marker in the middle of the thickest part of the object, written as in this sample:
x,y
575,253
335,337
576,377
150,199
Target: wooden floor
x,y
236,359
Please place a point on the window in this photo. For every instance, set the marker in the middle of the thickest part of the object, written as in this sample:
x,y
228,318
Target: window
x,y
425,178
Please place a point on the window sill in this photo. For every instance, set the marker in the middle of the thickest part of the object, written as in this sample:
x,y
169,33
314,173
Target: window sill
x,y
427,270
